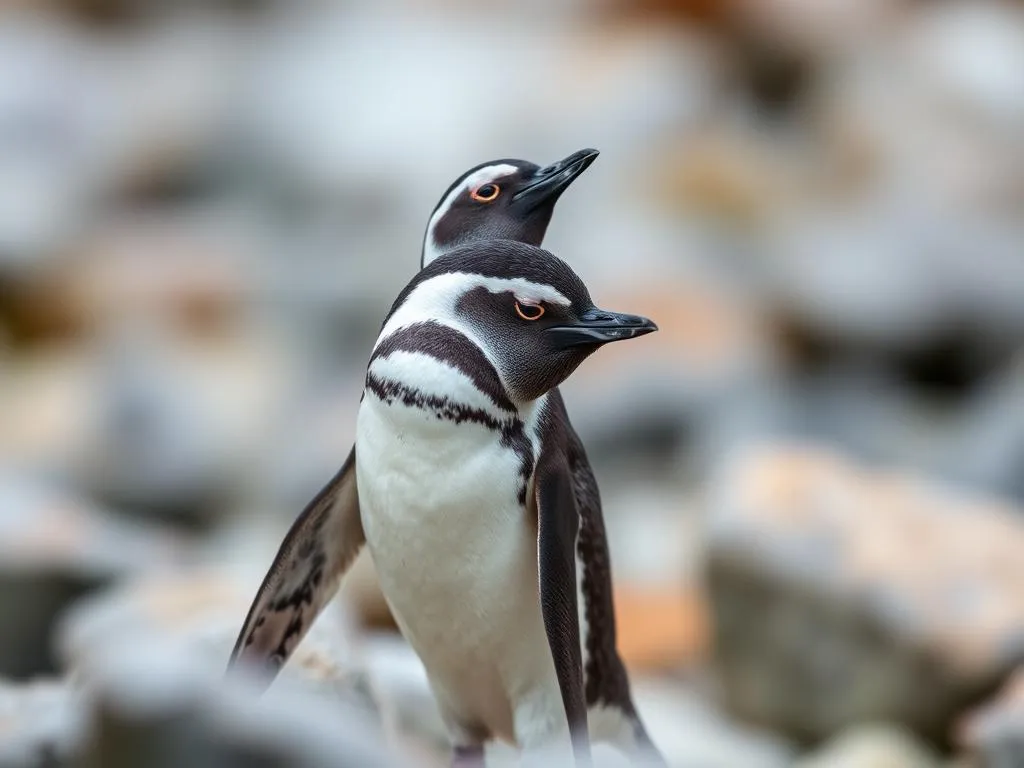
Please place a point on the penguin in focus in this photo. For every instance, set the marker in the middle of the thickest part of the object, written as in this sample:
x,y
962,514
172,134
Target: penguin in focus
x,y
324,540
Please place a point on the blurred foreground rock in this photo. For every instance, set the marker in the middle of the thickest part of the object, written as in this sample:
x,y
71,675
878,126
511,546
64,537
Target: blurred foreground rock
x,y
55,547
693,733
41,724
201,612
993,734
155,705
872,746
842,594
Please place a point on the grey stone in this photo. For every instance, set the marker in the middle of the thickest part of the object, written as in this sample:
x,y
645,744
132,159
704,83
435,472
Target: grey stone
x,y
54,548
157,705
841,594
992,734
42,724
987,452
201,611
873,746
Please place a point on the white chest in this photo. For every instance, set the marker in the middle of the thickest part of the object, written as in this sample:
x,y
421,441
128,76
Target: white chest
x,y
430,488
456,556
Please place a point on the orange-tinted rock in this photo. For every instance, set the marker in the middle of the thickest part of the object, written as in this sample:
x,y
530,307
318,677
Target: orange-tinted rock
x,y
660,628
841,593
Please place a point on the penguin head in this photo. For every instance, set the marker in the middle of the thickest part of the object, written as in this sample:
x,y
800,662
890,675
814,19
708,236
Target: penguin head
x,y
502,199
526,309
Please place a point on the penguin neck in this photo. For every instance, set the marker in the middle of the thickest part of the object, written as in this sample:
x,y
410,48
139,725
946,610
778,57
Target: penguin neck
x,y
430,377
528,234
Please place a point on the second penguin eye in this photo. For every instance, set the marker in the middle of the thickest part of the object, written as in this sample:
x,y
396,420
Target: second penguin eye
x,y
485,193
529,311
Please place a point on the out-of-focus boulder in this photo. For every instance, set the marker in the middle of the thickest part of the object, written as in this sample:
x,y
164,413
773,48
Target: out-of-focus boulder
x,y
660,628
992,735
842,594
202,611
873,746
41,724
988,451
156,704
690,731
54,548
709,342
186,392
54,144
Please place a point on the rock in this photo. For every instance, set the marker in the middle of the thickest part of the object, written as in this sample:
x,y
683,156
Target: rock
x,y
691,732
45,402
862,410
156,704
841,593
399,682
660,629
710,341
992,735
911,252
54,142
873,746
153,652
987,453
201,610
41,724
54,548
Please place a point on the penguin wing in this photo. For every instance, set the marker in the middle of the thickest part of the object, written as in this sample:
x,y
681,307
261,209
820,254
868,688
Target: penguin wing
x,y
557,528
305,575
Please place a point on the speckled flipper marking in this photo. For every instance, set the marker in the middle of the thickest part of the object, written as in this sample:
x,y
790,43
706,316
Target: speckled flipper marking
x,y
305,575
557,527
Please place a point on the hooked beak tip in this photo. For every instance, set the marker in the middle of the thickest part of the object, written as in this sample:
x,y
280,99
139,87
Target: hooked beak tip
x,y
550,182
599,327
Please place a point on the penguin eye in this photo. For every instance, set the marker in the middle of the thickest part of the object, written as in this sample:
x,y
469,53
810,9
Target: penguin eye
x,y
485,193
529,311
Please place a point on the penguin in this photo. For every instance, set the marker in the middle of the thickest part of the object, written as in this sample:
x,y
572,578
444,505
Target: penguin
x,y
305,574
501,199
463,482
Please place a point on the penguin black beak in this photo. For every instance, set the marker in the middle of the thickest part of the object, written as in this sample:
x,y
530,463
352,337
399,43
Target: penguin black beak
x,y
549,183
596,327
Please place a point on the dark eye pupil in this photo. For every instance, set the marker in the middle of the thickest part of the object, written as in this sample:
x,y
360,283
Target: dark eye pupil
x,y
486,190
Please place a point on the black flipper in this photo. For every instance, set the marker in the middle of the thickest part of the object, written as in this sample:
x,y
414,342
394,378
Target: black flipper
x,y
305,575
606,680
557,528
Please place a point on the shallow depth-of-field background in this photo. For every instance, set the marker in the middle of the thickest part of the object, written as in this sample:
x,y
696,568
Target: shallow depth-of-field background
x,y
813,475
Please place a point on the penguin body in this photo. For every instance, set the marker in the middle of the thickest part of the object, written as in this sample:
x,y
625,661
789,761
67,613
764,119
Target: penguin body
x,y
453,445
473,491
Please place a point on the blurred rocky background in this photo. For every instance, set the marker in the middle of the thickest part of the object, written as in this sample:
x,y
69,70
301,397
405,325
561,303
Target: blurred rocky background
x,y
813,475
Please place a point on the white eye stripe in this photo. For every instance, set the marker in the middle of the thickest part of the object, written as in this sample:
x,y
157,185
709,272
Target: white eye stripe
x,y
487,175
435,299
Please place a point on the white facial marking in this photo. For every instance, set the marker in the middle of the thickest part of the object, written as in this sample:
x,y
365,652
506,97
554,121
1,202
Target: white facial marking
x,y
485,175
435,299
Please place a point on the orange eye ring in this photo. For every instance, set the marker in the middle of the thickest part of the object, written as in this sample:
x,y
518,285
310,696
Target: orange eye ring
x,y
533,311
486,193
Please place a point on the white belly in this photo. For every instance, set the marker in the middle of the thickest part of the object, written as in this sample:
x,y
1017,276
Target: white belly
x,y
456,556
